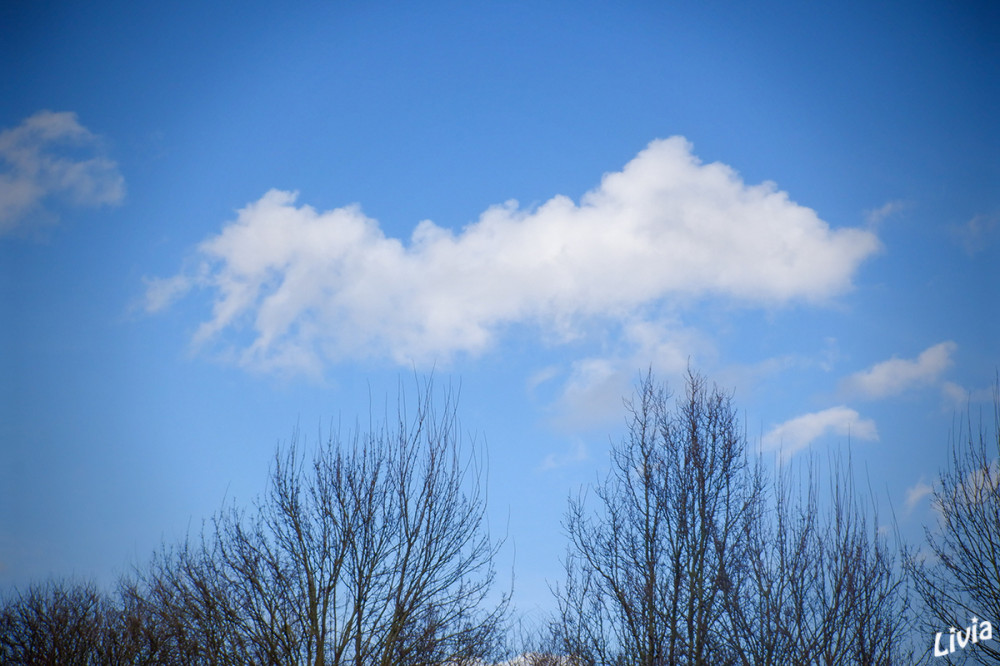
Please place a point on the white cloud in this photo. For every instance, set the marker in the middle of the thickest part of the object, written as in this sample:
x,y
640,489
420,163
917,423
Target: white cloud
x,y
958,397
52,156
916,493
317,286
576,453
979,485
798,433
590,391
540,377
592,395
875,216
976,234
161,292
897,375
593,392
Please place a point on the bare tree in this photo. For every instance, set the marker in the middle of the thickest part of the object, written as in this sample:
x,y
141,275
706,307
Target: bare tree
x,y
692,557
190,608
374,549
54,623
61,623
957,575
822,584
648,573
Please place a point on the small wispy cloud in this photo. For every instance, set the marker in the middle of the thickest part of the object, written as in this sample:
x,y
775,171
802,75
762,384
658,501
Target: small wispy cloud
x,y
162,292
592,393
745,376
979,485
793,435
52,157
976,234
540,377
957,397
576,453
876,216
916,493
898,375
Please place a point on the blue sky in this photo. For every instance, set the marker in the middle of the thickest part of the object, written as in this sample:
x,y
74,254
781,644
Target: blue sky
x,y
218,224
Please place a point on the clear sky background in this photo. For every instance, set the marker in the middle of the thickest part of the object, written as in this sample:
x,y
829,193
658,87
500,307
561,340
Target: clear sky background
x,y
218,223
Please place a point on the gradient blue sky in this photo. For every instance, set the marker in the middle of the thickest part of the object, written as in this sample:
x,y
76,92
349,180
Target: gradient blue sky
x,y
218,223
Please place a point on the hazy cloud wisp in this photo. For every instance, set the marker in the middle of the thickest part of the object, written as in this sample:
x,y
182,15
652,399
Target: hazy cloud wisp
x,y
897,375
876,216
916,493
796,434
310,287
52,156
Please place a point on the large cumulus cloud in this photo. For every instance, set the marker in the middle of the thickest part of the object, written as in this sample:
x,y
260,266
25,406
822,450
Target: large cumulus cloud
x,y
294,287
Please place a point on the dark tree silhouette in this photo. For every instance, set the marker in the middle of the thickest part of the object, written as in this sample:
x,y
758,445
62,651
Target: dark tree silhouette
x,y
691,557
648,573
75,624
371,551
957,574
822,585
